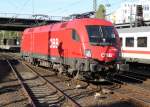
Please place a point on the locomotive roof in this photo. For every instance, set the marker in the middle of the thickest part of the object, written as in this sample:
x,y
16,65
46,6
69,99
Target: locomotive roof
x,y
70,24
92,20
134,29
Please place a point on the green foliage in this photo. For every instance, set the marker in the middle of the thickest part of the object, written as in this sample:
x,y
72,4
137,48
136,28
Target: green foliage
x,y
100,13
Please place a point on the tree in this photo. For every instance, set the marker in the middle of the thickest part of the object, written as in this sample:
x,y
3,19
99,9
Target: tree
x,y
100,13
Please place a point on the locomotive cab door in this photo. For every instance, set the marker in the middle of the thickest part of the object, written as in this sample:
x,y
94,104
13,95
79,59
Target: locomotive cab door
x,y
72,47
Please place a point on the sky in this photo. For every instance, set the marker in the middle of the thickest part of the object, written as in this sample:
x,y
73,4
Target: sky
x,y
54,7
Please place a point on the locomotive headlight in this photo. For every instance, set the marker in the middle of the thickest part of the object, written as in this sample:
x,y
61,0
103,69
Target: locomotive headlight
x,y
88,53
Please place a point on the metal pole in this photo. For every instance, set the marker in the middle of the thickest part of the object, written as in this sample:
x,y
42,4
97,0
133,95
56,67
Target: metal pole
x,y
131,16
94,5
3,35
32,6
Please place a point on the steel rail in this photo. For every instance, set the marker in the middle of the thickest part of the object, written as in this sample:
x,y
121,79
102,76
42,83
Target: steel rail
x,y
138,73
50,83
23,85
137,100
133,78
75,104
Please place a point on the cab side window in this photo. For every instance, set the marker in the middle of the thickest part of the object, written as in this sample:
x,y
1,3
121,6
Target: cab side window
x,y
75,35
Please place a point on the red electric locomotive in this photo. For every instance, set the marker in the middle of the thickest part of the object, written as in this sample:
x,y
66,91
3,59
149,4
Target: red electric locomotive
x,y
82,46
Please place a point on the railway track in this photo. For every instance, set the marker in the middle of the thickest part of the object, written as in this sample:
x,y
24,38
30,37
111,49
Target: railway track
x,y
139,96
136,94
41,92
132,92
11,92
23,85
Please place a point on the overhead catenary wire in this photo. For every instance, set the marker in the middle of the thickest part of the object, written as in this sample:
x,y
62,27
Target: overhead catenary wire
x,y
20,10
19,7
75,11
23,6
12,4
113,6
66,7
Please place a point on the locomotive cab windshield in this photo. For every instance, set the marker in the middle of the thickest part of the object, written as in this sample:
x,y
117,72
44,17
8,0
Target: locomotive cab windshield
x,y
101,35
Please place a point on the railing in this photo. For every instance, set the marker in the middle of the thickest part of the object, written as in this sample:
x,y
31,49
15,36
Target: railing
x,y
30,16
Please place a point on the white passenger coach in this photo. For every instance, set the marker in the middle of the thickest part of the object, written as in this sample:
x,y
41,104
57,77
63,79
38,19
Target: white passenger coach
x,y
135,44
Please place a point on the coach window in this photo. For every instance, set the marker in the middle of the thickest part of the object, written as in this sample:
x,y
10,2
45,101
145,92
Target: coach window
x,y
75,35
142,42
129,42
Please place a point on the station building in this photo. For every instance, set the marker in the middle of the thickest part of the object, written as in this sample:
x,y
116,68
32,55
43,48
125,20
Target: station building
x,y
127,12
